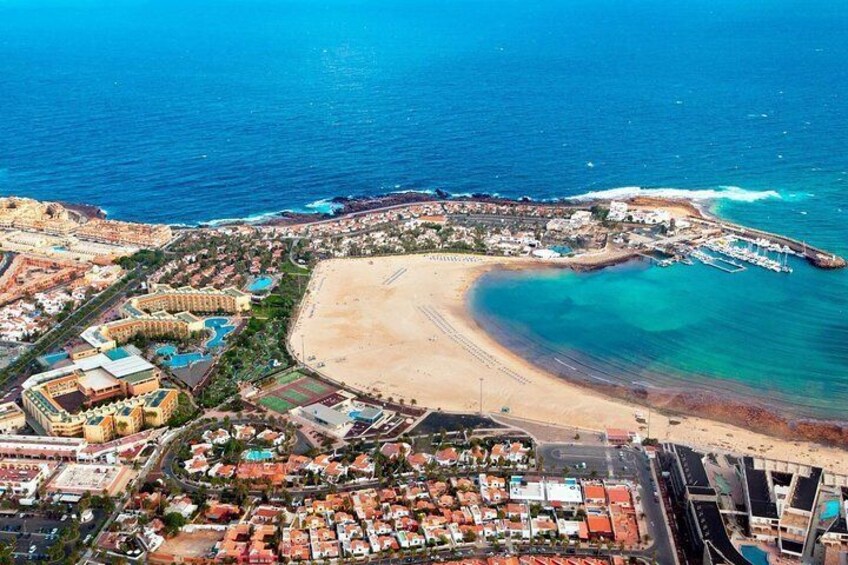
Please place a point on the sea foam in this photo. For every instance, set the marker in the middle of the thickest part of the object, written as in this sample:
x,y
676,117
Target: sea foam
x,y
720,193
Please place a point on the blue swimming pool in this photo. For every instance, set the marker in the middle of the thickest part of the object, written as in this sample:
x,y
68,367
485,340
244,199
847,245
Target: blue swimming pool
x,y
176,360
260,284
258,455
167,350
52,358
221,328
830,510
116,354
754,554
183,360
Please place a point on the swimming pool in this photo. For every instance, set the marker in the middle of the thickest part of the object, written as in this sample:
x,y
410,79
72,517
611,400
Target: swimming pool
x,y
258,455
830,510
221,327
183,360
754,554
52,358
260,284
176,360
117,354
167,350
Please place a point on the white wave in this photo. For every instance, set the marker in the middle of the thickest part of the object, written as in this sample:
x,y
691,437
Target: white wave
x,y
253,219
721,193
324,206
413,191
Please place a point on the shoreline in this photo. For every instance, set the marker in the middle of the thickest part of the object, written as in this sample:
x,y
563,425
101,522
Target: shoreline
x,y
365,338
752,413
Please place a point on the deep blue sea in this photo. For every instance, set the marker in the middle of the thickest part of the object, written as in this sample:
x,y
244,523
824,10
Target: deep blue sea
x,y
183,111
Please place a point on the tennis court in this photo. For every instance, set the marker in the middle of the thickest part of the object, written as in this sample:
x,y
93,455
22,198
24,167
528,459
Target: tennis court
x,y
294,389
276,404
316,386
295,396
287,378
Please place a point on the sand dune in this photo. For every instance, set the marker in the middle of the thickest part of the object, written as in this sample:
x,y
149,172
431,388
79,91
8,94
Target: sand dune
x,y
399,326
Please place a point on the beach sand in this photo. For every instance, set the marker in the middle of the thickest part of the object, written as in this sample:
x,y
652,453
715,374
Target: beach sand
x,y
399,326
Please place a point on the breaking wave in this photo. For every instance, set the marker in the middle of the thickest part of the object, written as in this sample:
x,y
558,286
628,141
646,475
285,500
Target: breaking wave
x,y
699,195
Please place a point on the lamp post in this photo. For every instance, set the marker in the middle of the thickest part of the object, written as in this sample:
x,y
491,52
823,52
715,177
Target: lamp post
x,y
481,396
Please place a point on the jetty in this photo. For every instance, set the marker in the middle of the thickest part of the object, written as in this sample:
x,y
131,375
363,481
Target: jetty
x,y
815,256
726,265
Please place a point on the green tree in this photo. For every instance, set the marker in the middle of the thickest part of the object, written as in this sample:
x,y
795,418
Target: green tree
x,y
173,521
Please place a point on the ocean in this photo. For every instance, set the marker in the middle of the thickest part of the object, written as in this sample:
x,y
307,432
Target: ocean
x,y
185,112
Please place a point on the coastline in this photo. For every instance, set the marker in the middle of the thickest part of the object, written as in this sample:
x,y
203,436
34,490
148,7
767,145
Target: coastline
x,y
737,404
379,338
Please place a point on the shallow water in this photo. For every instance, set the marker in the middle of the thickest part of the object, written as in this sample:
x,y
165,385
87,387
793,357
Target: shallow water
x,y
766,336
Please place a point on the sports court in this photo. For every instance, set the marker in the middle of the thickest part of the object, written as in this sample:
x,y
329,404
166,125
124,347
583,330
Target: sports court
x,y
294,389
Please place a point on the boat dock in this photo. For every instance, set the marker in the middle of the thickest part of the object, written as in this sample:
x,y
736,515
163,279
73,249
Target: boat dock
x,y
756,252
815,256
720,263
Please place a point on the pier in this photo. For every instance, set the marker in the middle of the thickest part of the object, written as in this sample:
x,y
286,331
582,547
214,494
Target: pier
x,y
719,263
727,246
815,256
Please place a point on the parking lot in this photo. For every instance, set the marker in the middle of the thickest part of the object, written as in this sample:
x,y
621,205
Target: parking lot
x,y
27,531
588,460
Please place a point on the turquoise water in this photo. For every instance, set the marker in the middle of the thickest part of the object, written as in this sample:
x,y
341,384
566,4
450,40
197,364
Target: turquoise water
x,y
167,350
176,360
182,360
830,510
258,455
221,327
561,249
764,335
754,554
260,284
53,358
117,353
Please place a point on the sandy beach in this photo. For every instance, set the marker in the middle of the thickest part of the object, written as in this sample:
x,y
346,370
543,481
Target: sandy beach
x,y
399,326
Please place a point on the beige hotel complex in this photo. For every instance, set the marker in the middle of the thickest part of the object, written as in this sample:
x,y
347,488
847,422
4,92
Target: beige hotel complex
x,y
166,311
107,392
52,218
99,398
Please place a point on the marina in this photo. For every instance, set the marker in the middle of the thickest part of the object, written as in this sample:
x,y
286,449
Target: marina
x,y
755,252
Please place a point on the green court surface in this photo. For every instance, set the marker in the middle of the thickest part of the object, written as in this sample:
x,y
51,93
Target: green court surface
x,y
295,396
276,404
315,386
287,378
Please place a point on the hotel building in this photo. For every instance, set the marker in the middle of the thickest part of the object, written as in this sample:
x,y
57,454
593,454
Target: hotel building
x,y
125,233
166,311
99,398
12,418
